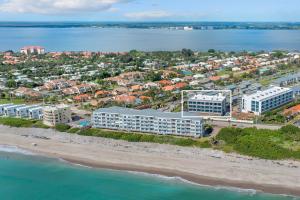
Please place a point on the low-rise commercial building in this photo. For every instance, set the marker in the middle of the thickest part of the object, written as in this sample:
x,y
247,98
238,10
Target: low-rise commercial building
x,y
149,121
263,101
208,104
59,114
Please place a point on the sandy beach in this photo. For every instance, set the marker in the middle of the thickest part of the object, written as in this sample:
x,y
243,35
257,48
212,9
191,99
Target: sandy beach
x,y
203,166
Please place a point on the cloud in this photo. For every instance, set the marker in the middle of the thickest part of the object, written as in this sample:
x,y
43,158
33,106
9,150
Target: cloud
x,y
57,6
156,14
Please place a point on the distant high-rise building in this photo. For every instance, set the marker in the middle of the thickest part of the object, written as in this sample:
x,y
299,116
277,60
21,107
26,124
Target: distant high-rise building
x,y
33,50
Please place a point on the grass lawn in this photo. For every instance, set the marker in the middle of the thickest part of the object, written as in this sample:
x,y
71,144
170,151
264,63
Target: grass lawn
x,y
14,101
265,82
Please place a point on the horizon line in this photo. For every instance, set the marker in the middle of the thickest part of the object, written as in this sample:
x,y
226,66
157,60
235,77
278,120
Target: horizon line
x,y
145,21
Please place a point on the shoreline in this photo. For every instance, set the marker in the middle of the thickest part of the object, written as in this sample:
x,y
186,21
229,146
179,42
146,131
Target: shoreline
x,y
192,178
119,155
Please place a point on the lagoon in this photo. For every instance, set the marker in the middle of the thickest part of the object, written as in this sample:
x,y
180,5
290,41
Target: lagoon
x,y
126,39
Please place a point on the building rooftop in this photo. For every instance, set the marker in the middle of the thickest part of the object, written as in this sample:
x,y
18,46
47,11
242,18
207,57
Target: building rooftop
x,y
265,94
55,107
27,107
5,105
214,97
146,112
287,78
32,47
35,108
14,106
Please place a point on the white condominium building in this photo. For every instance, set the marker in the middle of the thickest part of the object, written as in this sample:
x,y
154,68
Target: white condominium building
x,y
23,112
11,111
59,114
266,100
35,113
208,104
33,50
2,106
149,121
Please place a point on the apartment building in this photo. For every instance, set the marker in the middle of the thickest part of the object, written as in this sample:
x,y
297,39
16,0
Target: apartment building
x,y
23,112
35,113
266,100
2,106
149,121
287,80
11,111
59,114
214,104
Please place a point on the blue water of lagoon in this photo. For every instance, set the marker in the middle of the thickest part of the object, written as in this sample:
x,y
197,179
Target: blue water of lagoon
x,y
126,39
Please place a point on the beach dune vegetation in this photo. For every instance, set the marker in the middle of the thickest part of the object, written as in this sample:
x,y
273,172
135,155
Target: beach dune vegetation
x,y
62,127
140,137
17,122
261,143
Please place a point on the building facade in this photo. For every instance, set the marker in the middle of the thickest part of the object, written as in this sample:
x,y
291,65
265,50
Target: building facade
x,y
11,111
208,104
2,106
148,121
59,114
266,100
21,111
35,113
33,50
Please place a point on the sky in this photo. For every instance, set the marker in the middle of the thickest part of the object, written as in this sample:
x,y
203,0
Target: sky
x,y
150,10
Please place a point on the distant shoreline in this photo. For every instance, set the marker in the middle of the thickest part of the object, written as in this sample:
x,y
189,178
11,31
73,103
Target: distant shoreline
x,y
158,25
201,166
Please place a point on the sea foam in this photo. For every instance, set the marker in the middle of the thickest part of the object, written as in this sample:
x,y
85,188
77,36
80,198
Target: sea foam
x,y
14,149
177,178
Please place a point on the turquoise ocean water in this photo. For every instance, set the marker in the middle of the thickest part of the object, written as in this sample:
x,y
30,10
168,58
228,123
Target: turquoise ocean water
x,y
31,177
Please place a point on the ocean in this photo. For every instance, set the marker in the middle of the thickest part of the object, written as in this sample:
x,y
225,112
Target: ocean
x,y
126,39
25,176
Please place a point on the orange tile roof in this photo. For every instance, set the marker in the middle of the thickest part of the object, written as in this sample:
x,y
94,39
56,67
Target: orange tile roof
x,y
145,98
82,97
180,85
101,93
136,87
125,98
292,110
169,88
215,78
165,82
